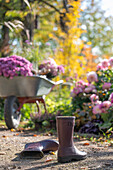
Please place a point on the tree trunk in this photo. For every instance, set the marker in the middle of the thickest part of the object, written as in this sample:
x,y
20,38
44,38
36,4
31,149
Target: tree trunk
x,y
29,25
62,17
4,46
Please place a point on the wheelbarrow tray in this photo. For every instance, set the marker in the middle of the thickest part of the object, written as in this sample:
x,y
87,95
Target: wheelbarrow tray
x,y
29,86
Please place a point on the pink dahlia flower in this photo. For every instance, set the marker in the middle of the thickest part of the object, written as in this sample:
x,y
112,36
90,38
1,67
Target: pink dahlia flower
x,y
90,88
99,66
105,106
96,109
94,98
105,64
106,86
81,84
76,91
111,96
92,77
111,61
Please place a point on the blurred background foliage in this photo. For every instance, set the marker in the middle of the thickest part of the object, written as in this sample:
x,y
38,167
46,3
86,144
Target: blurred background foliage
x,y
99,28
79,37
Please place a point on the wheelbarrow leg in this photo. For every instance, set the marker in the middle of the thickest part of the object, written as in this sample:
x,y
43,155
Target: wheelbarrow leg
x,y
43,101
37,103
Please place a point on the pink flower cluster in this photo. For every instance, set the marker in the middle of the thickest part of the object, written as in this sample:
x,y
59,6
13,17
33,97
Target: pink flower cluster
x,y
87,88
105,64
96,96
50,68
99,106
80,87
15,66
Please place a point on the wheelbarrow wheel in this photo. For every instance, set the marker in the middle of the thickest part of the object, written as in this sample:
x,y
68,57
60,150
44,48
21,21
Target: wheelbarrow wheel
x,y
11,115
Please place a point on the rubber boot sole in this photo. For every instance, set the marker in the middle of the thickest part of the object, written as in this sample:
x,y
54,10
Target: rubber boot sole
x,y
70,158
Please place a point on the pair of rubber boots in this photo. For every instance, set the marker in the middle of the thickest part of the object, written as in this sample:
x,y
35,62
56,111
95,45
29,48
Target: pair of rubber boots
x,y
66,149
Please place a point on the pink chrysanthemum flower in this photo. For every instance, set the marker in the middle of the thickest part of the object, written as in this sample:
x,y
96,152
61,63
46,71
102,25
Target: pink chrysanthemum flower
x,y
50,68
15,66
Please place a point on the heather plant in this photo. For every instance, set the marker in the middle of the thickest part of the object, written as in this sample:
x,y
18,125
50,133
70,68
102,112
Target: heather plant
x,y
95,98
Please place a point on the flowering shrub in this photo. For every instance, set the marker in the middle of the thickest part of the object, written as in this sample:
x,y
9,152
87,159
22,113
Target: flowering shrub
x,y
95,98
15,66
50,68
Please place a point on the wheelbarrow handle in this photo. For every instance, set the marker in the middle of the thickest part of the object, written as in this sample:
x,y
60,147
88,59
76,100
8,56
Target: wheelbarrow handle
x,y
59,82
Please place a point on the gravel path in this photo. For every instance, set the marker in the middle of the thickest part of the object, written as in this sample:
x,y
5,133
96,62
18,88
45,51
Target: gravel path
x,y
100,155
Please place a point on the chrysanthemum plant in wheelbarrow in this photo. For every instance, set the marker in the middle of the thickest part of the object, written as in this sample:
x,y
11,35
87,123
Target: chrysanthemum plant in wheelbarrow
x,y
20,84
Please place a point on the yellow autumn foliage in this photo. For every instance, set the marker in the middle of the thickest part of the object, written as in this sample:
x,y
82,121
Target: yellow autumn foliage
x,y
90,59
70,44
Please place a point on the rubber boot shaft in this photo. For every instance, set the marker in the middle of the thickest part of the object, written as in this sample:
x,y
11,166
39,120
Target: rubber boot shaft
x,y
37,149
65,128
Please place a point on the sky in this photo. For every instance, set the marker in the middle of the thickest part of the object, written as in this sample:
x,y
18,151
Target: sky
x,y
108,6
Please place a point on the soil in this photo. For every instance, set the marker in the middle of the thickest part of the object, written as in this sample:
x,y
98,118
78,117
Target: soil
x,y
100,154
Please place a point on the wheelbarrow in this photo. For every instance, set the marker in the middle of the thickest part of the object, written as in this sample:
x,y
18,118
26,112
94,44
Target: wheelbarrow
x,y
21,90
